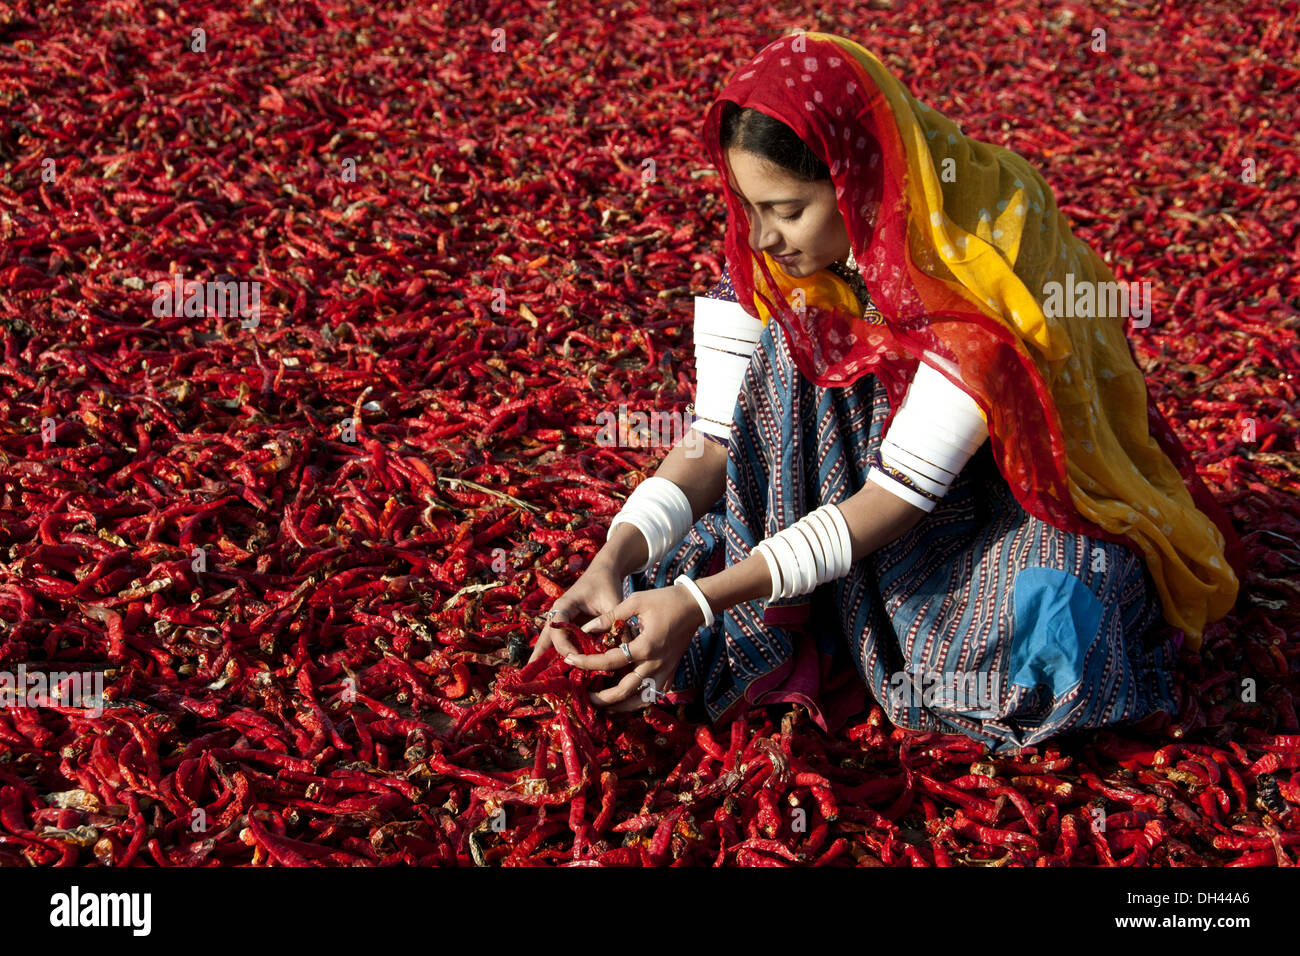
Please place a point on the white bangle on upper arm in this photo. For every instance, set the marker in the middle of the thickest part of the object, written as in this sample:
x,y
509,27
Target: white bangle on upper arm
x,y
725,338
935,432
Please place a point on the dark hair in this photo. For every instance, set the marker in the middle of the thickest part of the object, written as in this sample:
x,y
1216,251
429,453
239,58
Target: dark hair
x,y
755,132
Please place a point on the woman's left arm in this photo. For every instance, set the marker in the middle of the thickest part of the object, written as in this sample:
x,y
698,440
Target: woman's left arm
x,y
875,517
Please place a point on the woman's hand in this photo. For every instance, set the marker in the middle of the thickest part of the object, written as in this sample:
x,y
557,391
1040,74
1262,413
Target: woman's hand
x,y
668,618
597,591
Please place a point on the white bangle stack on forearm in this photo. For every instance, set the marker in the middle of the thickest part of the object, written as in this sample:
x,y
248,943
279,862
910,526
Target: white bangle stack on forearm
x,y
936,431
813,550
661,511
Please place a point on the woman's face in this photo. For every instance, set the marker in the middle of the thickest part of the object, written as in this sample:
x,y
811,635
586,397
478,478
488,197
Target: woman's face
x,y
788,215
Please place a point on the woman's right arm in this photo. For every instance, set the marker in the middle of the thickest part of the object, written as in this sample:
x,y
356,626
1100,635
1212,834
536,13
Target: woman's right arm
x,y
703,479
725,338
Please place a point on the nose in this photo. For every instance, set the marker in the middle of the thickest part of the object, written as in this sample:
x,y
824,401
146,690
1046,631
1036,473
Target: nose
x,y
761,239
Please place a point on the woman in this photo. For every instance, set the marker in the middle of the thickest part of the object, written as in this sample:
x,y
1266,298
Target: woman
x,y
927,468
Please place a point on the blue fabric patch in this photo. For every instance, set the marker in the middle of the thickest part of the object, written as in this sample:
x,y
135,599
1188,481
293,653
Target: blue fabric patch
x,y
1057,618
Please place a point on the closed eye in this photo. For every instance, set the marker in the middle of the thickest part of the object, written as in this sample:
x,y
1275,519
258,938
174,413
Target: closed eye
x,y
782,218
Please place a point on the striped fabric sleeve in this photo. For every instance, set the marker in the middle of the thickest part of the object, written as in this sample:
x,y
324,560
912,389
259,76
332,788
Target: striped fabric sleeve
x,y
935,432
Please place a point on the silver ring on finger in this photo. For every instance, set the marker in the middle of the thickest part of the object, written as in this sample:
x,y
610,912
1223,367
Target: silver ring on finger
x,y
627,651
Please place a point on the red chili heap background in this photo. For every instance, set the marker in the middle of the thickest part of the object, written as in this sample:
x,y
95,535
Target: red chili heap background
x,y
307,632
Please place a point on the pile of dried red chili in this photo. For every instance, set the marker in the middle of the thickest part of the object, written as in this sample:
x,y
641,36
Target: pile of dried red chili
x,y
338,680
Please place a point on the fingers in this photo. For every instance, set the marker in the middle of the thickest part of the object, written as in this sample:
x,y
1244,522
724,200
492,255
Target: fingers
x,y
614,658
611,660
563,646
650,692
626,706
625,689
556,635
636,689
540,647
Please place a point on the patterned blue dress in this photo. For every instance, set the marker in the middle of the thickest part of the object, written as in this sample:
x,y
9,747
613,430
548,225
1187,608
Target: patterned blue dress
x,y
981,619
